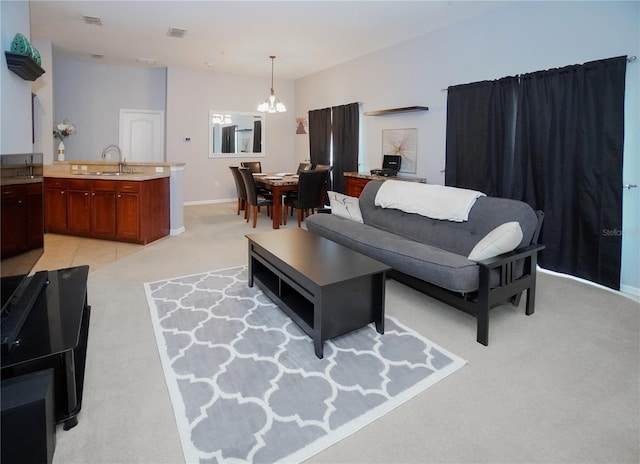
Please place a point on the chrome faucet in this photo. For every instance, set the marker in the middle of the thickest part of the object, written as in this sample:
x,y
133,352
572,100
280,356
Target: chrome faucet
x,y
121,162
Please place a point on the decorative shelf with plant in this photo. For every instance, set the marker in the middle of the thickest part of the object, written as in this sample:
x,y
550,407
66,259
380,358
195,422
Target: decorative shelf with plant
x,y
23,66
23,59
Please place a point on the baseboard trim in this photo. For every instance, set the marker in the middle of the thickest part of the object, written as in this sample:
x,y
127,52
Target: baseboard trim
x,y
633,292
627,291
209,202
177,231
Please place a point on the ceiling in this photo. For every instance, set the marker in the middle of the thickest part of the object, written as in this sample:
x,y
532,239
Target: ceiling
x,y
237,37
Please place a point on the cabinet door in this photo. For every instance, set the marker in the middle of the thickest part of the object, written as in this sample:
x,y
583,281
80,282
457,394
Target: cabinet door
x,y
128,216
14,227
353,186
35,224
103,214
79,212
55,212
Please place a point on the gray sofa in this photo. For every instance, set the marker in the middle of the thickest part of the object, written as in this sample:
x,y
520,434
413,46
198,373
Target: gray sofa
x,y
431,255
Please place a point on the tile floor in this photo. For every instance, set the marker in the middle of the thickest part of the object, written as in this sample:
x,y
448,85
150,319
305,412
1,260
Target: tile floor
x,y
62,251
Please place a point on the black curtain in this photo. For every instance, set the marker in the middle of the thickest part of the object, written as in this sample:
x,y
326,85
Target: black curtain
x,y
345,130
480,130
568,159
553,139
229,139
257,136
320,136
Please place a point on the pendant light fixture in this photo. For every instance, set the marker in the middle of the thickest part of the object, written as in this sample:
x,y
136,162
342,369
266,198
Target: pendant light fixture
x,y
272,104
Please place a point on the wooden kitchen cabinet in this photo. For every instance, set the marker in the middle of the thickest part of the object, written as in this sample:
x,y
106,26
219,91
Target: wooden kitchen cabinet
x,y
55,205
128,211
21,218
103,209
131,211
79,207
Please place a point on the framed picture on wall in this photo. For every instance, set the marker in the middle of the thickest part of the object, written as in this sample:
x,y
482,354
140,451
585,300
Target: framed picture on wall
x,y
402,142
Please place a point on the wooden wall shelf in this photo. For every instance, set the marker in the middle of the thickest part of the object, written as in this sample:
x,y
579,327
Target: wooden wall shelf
x,y
406,109
23,66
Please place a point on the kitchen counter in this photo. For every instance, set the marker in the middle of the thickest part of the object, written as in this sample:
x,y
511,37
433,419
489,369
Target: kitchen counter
x,y
88,169
108,170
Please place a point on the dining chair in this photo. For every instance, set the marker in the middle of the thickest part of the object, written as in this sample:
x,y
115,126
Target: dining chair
x,y
255,166
303,167
327,182
309,195
241,190
254,200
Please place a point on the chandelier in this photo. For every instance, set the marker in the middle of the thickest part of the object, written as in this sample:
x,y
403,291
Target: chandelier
x,y
272,104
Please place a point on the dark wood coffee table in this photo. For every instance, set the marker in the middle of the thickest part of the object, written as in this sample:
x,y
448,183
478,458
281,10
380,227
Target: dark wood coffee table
x,y
326,288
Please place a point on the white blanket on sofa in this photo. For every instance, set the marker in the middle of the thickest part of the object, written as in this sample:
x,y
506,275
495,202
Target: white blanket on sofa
x,y
434,201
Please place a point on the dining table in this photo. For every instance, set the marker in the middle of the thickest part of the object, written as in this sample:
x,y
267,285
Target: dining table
x,y
278,183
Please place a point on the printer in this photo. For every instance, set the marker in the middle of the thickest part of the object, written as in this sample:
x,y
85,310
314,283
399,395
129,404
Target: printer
x,y
390,166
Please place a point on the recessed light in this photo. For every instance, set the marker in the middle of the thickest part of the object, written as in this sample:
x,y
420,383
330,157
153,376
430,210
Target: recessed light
x,y
92,20
208,63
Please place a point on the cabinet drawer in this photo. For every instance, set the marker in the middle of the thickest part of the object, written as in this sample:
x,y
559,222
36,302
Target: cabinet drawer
x,y
79,184
34,189
128,186
104,185
13,191
52,182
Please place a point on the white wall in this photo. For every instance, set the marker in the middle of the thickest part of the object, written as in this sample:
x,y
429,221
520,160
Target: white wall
x,y
514,39
15,92
190,96
90,95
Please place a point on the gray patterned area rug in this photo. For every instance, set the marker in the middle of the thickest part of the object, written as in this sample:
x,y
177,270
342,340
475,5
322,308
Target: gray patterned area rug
x,y
246,385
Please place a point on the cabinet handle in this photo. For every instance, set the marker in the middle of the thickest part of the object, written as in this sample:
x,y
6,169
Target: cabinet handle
x,y
86,194
61,192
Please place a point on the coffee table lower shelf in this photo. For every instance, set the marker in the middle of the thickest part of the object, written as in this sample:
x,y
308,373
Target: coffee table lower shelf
x,y
321,311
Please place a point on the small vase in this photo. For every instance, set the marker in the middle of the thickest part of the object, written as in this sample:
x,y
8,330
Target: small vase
x,y
61,151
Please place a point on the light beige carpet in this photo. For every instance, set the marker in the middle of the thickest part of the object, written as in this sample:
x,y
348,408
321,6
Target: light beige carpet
x,y
560,386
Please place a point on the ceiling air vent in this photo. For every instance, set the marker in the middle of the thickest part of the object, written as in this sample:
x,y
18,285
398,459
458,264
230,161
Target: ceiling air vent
x,y
92,20
97,56
149,61
176,32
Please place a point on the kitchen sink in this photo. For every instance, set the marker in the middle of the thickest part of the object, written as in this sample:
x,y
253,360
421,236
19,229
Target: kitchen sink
x,y
102,173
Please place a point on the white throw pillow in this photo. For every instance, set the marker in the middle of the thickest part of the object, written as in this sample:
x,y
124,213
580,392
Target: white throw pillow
x,y
504,238
344,206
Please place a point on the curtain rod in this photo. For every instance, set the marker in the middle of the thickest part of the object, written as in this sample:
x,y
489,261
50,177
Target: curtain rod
x,y
629,60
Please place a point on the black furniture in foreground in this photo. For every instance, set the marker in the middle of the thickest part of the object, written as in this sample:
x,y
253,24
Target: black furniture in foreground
x,y
54,336
28,419
327,289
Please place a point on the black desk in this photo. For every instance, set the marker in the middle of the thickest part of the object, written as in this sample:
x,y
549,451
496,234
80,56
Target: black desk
x,y
55,336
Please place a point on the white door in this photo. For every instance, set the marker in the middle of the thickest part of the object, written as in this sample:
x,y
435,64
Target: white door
x,y
142,135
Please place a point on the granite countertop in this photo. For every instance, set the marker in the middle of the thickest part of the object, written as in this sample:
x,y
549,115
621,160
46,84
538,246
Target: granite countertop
x,y
20,180
108,170
362,175
104,175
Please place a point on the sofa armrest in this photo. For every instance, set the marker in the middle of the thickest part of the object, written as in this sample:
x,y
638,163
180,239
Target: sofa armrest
x,y
511,256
